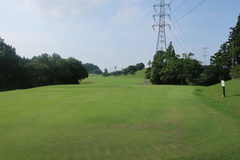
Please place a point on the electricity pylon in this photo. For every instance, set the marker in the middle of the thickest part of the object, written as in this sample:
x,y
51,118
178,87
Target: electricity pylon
x,y
160,23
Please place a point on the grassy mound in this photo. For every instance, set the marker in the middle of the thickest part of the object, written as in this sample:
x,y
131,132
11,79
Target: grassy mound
x,y
108,118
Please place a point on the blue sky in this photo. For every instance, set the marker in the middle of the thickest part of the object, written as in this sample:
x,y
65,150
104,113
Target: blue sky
x,y
113,33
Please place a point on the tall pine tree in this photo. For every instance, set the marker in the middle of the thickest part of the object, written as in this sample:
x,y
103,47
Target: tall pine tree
x,y
234,41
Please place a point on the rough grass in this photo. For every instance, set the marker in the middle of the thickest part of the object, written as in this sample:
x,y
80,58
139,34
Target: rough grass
x,y
108,118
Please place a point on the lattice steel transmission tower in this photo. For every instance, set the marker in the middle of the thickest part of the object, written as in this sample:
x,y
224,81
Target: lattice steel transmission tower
x,y
159,17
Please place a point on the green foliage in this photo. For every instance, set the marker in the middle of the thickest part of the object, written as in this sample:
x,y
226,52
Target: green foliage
x,y
139,66
51,70
148,73
191,71
17,72
132,69
157,65
234,41
11,67
92,69
168,68
221,62
235,72
105,73
207,76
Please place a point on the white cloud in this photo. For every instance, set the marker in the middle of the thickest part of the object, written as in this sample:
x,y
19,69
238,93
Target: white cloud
x,y
129,11
61,8
125,15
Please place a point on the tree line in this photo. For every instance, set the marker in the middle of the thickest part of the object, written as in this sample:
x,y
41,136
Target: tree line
x,y
168,68
225,64
132,69
92,68
17,72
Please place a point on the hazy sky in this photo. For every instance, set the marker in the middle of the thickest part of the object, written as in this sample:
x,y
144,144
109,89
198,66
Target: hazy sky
x,y
113,33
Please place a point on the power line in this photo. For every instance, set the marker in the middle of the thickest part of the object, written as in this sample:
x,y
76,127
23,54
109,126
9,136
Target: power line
x,y
177,30
183,49
191,10
179,6
171,2
182,41
184,37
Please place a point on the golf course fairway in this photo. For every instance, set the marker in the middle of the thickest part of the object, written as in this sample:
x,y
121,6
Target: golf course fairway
x,y
118,118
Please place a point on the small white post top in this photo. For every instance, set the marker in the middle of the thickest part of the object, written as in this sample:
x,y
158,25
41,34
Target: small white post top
x,y
222,83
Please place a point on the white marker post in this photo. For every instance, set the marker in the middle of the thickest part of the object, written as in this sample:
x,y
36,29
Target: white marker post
x,y
223,86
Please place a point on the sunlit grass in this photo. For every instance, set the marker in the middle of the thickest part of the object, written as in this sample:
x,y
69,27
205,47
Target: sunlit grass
x,y
119,118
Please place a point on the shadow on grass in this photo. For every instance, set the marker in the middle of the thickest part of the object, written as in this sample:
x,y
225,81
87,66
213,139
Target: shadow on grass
x,y
236,95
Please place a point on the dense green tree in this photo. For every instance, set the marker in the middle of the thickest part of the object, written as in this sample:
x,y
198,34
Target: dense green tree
x,y
234,43
105,73
235,72
170,52
168,68
169,73
191,71
132,69
92,69
207,76
157,65
160,73
17,72
139,66
10,67
78,72
221,63
148,70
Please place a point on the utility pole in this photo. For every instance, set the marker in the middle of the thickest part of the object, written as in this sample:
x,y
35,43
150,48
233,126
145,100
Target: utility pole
x,y
159,17
205,55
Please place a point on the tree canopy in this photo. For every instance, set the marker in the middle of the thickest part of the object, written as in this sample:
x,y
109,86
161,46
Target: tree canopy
x,y
92,69
17,72
234,43
168,68
132,69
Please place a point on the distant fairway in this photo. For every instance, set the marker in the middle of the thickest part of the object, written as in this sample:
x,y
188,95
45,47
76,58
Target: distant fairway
x,y
118,118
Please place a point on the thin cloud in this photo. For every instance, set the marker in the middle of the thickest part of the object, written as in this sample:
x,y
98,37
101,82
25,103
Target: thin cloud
x,y
61,8
128,14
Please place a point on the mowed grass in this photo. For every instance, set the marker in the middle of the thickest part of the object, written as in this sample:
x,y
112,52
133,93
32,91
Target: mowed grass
x,y
118,118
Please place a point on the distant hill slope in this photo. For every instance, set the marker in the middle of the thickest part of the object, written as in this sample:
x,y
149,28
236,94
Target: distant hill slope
x,y
139,74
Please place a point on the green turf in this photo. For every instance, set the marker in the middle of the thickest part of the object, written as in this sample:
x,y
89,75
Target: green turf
x,y
118,118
